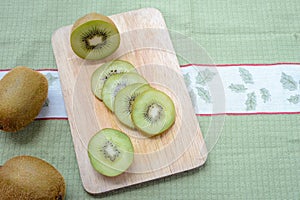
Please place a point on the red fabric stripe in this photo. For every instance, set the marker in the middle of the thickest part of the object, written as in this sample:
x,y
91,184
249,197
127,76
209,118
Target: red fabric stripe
x,y
212,65
235,65
52,118
253,113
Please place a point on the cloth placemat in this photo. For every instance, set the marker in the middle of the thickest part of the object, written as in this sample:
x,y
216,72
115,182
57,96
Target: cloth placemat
x,y
256,157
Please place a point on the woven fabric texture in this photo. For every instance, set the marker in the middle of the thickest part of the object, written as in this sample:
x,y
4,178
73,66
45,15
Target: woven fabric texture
x,y
256,157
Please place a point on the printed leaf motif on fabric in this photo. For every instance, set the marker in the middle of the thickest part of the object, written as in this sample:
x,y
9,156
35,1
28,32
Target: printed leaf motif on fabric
x,y
265,95
252,90
203,77
187,79
288,82
51,78
238,88
47,102
193,98
204,94
295,99
246,76
251,101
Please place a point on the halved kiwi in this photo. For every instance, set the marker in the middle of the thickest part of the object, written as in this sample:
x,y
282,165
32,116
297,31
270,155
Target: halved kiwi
x,y
124,100
111,152
102,73
117,82
153,112
94,36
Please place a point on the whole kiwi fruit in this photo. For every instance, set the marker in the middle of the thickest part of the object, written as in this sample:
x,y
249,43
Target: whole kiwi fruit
x,y
23,92
30,178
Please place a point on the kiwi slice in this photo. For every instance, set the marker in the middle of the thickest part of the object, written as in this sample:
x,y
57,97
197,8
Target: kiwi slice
x,y
117,82
153,112
30,178
102,73
124,100
111,152
94,37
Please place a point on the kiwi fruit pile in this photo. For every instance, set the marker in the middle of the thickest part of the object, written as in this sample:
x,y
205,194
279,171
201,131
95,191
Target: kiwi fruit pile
x,y
30,178
23,92
153,112
94,37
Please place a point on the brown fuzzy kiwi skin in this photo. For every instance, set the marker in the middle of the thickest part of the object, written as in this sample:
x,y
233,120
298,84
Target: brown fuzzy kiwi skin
x,y
27,177
89,17
23,92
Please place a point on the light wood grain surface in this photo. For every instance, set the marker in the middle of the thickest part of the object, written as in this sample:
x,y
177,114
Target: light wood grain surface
x,y
145,42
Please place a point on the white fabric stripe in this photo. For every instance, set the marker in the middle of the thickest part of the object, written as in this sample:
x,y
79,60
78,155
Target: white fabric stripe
x,y
246,89
243,89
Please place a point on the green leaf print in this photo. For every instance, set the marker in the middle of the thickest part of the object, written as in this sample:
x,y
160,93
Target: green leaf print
x,y
46,104
294,99
251,101
51,78
203,77
204,94
238,88
187,79
265,95
288,82
246,76
193,97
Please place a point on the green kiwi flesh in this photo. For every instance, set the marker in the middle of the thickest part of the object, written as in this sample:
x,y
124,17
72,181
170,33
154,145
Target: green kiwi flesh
x,y
94,37
124,100
110,152
102,73
117,82
153,112
23,92
30,178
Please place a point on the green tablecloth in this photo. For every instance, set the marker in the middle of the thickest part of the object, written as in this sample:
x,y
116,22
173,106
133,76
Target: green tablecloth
x,y
256,157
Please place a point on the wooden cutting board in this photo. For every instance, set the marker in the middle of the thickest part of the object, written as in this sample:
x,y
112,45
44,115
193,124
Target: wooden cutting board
x,y
145,42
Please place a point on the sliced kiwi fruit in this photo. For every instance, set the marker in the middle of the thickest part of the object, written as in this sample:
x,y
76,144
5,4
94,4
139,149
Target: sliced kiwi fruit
x,y
153,112
23,92
124,100
102,73
117,82
30,178
111,152
94,37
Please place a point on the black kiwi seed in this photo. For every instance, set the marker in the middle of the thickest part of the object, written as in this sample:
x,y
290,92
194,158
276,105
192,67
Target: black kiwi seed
x,y
124,102
148,109
117,82
93,32
94,37
110,146
103,72
153,112
111,152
